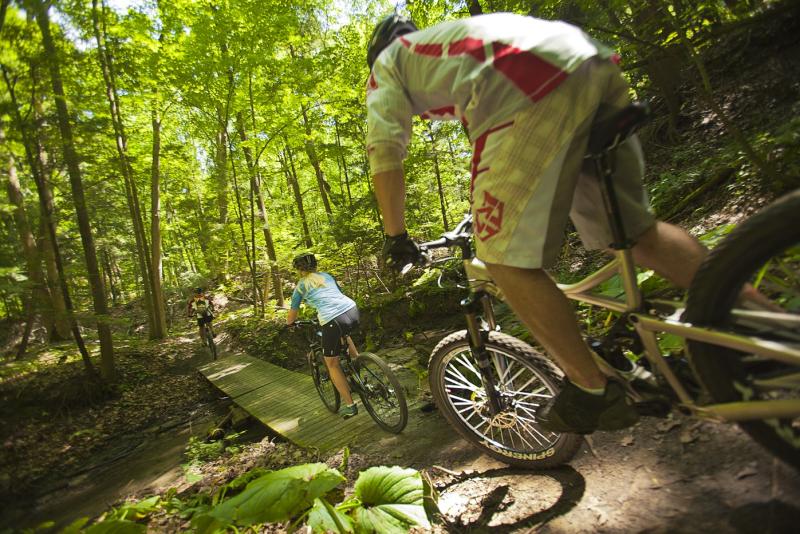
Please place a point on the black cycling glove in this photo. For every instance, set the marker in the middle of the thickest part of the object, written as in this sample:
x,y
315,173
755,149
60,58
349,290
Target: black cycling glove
x,y
400,251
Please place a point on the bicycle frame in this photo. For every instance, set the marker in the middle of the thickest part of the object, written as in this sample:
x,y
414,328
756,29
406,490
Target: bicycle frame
x,y
651,317
345,360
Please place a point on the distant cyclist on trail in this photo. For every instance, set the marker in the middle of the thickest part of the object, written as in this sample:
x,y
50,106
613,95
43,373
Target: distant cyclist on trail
x,y
527,91
202,307
338,315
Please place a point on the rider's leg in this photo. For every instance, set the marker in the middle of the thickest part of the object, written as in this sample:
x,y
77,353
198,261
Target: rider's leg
x,y
547,313
338,378
671,252
351,347
676,255
587,401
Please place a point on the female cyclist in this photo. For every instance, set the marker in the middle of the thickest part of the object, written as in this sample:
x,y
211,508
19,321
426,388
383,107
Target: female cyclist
x,y
337,314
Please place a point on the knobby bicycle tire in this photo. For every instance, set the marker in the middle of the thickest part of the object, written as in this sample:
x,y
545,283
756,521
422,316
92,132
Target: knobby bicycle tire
x,y
766,241
382,396
322,381
212,346
512,436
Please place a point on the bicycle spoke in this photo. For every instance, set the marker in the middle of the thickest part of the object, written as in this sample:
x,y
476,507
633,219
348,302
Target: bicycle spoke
x,y
458,374
458,385
464,360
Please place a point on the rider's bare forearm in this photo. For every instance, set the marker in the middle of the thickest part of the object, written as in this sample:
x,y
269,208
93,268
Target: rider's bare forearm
x,y
390,191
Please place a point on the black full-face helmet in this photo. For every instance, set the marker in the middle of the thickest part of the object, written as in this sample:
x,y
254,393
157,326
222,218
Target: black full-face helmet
x,y
198,290
387,30
305,262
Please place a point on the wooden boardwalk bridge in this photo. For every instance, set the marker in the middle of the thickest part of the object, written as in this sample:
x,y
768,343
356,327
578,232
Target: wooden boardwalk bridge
x,y
286,402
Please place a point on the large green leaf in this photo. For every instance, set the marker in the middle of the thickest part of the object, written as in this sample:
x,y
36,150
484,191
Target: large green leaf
x,y
389,485
391,500
325,518
389,518
279,496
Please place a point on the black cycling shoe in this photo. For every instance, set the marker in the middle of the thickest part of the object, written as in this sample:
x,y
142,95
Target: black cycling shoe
x,y
575,411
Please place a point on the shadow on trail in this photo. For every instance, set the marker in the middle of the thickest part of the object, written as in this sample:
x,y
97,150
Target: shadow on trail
x,y
500,504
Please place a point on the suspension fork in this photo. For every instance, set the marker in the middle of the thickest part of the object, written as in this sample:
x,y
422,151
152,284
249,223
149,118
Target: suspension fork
x,y
472,305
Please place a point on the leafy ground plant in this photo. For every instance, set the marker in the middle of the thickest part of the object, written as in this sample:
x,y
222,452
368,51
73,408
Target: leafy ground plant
x,y
385,499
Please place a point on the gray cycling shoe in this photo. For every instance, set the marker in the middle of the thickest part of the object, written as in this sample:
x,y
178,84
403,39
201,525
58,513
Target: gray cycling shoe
x,y
349,411
575,411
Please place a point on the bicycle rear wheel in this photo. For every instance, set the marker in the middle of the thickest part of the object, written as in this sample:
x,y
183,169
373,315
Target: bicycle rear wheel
x,y
322,380
764,251
525,379
381,392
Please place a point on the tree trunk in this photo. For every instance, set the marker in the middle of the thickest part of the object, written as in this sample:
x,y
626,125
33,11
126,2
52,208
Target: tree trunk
x,y
107,67
221,167
37,163
435,152
39,302
291,175
76,185
311,152
240,216
155,231
344,165
60,315
255,182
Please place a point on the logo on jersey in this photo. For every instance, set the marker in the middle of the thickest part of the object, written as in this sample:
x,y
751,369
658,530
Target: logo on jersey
x,y
489,217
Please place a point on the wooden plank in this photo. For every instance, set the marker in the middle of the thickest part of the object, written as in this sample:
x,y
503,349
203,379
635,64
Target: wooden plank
x,y
238,374
285,401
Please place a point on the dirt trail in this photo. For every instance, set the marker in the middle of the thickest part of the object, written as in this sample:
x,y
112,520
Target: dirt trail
x,y
673,475
661,476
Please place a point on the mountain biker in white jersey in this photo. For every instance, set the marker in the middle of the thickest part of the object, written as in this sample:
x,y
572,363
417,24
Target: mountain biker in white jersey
x,y
202,307
527,91
337,314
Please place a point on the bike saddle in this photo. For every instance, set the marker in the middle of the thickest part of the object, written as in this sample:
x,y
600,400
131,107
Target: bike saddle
x,y
608,133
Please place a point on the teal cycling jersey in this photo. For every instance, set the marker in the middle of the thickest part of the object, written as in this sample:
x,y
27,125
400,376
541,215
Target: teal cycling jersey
x,y
327,299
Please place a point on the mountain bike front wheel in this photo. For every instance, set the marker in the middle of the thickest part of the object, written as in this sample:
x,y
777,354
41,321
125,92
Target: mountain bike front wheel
x,y
765,252
322,380
525,381
212,346
381,392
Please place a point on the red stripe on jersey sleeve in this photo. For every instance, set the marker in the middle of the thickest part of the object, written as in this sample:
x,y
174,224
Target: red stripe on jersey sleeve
x,y
468,45
405,42
531,74
432,49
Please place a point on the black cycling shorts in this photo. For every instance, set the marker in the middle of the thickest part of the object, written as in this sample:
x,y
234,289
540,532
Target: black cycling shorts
x,y
336,329
204,320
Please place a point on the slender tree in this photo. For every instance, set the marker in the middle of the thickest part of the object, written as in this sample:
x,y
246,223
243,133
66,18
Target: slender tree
x,y
107,369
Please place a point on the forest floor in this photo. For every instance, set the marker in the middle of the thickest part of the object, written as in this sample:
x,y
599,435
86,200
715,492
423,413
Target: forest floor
x,y
672,475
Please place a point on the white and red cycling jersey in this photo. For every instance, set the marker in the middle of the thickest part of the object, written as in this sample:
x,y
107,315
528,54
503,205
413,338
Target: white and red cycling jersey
x,y
479,70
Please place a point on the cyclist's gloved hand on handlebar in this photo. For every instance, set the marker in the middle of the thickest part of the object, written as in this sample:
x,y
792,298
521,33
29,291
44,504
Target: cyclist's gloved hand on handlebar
x,y
400,251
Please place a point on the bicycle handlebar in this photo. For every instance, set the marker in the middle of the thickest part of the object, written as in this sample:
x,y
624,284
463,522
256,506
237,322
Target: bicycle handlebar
x,y
301,322
457,237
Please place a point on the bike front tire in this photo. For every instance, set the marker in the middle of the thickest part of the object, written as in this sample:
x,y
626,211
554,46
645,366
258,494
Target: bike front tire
x,y
381,393
526,380
212,346
764,251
